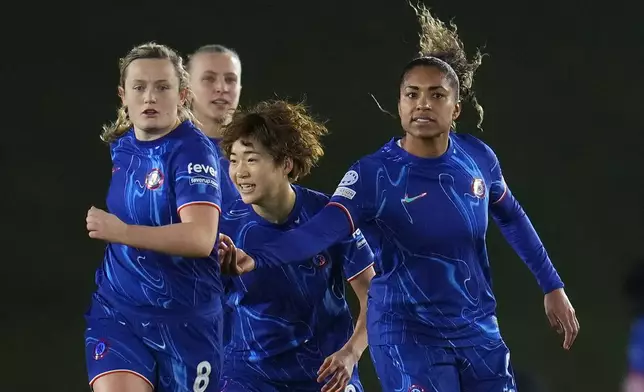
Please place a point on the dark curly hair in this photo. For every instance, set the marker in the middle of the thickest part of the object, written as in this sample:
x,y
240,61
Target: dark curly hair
x,y
285,129
438,41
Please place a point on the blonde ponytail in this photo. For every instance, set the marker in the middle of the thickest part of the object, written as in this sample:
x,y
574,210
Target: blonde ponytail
x,y
116,129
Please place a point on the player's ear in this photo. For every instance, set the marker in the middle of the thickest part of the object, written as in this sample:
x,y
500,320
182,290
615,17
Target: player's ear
x,y
121,93
457,111
183,95
288,166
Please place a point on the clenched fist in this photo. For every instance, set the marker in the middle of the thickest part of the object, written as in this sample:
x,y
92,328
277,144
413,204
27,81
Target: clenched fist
x,y
105,226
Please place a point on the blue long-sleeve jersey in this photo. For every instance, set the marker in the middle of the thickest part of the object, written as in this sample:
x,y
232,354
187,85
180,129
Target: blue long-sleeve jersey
x,y
426,220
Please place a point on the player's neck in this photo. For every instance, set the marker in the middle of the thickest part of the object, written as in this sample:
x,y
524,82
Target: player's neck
x,y
278,206
426,147
210,127
155,134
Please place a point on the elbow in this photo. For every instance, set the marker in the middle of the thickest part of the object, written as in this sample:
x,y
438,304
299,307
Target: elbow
x,y
362,294
204,245
203,253
363,301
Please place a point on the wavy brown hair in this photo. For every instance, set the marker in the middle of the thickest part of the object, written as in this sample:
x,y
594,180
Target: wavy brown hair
x,y
285,129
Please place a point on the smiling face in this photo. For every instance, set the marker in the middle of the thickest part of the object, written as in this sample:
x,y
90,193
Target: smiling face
x,y
255,173
428,102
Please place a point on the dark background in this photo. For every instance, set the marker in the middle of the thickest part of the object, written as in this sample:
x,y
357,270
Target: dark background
x,y
562,104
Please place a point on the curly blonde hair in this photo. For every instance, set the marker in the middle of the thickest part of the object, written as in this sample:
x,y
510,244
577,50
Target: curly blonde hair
x,y
442,42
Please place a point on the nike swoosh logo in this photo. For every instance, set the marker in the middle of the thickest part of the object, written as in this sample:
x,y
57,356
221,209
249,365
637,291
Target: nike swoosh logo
x,y
408,199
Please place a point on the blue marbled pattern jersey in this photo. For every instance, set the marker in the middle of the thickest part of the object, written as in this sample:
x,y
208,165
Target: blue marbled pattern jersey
x,y
426,219
277,309
151,182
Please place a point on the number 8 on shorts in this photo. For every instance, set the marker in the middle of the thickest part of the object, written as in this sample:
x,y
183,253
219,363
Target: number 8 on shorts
x,y
203,377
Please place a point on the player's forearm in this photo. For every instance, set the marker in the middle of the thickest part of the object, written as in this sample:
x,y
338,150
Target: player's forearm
x,y
180,239
326,228
521,235
358,341
360,284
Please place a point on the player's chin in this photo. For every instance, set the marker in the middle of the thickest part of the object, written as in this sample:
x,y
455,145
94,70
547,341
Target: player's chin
x,y
219,112
222,117
426,131
249,198
153,124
